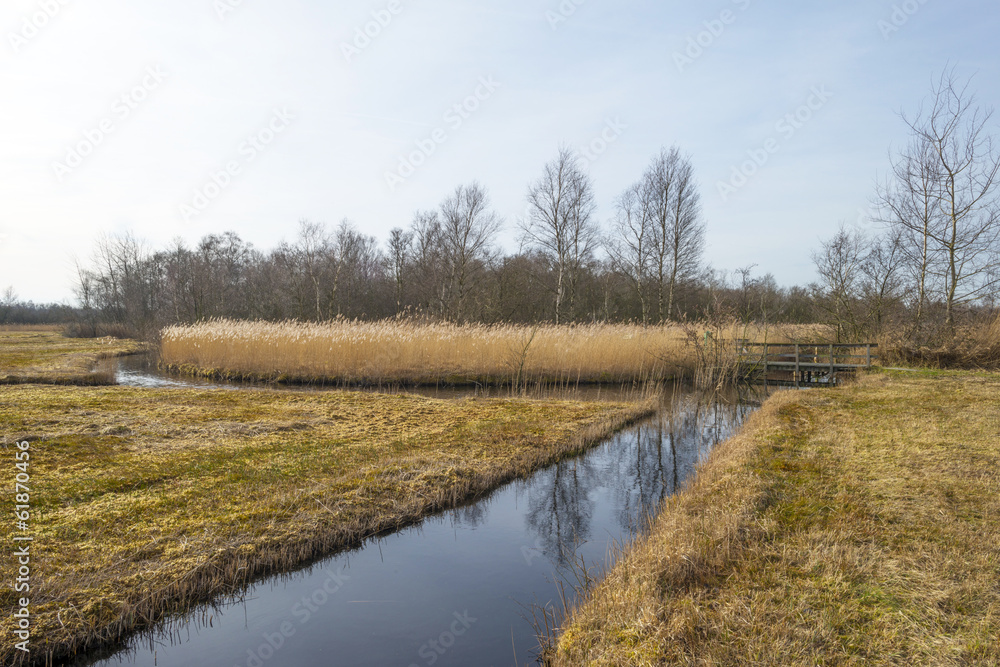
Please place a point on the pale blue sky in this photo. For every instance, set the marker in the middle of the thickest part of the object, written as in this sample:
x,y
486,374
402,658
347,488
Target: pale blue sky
x,y
608,68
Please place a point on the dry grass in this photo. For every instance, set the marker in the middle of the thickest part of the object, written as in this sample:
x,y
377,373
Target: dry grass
x,y
30,327
857,526
148,501
42,355
974,346
411,353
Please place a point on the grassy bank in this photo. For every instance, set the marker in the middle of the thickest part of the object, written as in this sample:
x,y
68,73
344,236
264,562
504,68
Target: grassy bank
x,y
858,526
417,353
145,502
35,355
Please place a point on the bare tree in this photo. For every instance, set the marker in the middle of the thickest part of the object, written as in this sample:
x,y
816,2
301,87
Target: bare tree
x,y
630,245
216,275
312,252
400,247
839,263
123,283
468,229
357,264
673,202
907,202
881,280
964,167
429,282
8,300
560,224
862,282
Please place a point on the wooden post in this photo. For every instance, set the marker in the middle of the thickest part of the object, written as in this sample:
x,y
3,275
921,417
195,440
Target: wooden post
x,y
766,364
868,354
831,365
797,372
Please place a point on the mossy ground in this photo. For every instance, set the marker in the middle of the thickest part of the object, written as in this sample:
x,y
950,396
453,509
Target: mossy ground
x,y
145,502
857,526
47,357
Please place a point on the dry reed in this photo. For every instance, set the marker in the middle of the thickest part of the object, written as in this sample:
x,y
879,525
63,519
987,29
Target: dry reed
x,y
404,352
974,346
410,353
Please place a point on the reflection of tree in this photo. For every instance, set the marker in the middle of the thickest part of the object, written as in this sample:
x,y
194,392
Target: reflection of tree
x,y
560,509
660,456
646,473
648,463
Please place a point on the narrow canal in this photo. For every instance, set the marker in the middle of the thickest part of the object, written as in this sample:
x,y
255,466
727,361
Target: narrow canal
x,y
457,589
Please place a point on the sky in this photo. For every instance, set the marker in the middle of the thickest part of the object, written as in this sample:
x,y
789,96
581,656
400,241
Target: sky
x,y
180,118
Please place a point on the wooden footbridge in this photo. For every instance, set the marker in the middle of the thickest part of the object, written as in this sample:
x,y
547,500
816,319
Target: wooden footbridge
x,y
798,364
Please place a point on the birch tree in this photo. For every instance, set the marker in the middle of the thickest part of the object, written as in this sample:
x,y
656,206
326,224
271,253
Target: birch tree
x,y
468,232
630,244
561,225
945,190
673,205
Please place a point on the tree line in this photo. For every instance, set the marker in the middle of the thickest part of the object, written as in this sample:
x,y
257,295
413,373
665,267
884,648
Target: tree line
x,y
447,264
929,261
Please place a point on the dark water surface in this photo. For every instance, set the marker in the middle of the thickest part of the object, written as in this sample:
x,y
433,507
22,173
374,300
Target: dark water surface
x,y
456,589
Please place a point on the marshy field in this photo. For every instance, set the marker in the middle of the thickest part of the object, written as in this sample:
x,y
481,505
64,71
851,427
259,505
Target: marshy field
x,y
855,525
43,355
148,501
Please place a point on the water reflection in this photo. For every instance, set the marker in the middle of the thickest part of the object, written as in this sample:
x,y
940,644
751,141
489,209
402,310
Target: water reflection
x,y
651,462
398,595
561,508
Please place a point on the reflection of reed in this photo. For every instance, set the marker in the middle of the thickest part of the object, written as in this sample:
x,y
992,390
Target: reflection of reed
x,y
470,516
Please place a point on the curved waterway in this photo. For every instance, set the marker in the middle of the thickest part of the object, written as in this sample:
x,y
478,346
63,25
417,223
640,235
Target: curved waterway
x,y
458,588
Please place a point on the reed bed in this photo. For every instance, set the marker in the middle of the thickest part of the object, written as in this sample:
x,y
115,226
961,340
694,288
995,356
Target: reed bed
x,y
971,347
407,352
412,353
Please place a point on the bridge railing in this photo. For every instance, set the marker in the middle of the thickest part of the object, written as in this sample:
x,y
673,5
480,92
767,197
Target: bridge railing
x,y
807,361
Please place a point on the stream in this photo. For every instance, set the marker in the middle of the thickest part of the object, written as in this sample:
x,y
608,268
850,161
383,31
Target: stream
x,y
458,588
